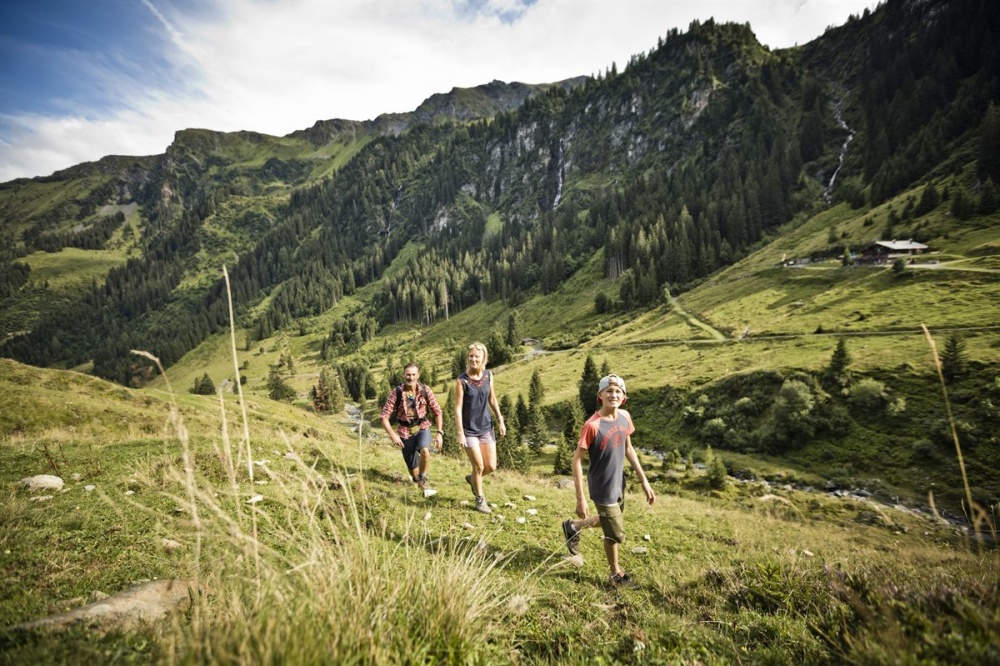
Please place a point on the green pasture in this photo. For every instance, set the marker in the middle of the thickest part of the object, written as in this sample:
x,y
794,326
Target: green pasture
x,y
746,573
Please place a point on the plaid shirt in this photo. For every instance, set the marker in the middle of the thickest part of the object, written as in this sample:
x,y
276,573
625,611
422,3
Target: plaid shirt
x,y
422,406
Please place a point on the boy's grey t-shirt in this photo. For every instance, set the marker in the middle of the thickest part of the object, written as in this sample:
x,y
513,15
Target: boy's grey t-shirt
x,y
605,441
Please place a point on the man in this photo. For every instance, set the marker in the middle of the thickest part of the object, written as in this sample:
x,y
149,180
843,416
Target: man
x,y
409,404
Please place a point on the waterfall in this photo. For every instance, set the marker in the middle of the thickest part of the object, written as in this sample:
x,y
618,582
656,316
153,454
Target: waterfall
x,y
559,176
843,150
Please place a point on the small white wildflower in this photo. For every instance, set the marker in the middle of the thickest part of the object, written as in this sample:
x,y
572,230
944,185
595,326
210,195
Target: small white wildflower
x,y
518,604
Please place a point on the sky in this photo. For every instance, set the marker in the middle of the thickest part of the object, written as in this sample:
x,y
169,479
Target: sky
x,y
82,79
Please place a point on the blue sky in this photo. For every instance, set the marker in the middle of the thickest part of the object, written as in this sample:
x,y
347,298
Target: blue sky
x,y
81,79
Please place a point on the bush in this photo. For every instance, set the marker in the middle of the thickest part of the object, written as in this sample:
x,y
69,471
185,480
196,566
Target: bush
x,y
793,411
868,394
716,469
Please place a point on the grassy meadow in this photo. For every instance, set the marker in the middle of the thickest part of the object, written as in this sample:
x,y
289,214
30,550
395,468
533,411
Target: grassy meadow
x,y
308,544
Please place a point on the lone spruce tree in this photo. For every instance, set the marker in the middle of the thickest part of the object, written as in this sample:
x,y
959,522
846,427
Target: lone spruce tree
x,y
836,375
277,387
954,362
511,451
588,386
320,394
563,463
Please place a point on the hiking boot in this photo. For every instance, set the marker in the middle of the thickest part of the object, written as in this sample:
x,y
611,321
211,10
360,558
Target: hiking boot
x,y
482,506
468,480
622,579
422,482
572,536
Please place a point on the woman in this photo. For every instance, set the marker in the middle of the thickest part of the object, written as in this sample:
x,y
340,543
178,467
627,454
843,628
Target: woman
x,y
475,396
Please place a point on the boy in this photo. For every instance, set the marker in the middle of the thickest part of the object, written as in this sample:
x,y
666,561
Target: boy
x,y
606,438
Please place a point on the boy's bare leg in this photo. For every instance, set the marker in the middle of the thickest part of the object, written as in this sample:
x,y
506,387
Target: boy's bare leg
x,y
611,550
584,523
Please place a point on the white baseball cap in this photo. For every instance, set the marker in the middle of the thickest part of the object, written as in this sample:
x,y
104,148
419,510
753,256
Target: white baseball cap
x,y
611,380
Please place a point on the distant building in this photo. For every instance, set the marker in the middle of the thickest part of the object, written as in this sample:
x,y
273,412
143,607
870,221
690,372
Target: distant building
x,y
881,252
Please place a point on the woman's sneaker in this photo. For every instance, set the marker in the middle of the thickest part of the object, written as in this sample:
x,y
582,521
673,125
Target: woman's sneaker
x,y
572,536
482,506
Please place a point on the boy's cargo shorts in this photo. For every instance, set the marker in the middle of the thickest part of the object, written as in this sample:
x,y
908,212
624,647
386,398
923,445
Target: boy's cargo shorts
x,y
611,520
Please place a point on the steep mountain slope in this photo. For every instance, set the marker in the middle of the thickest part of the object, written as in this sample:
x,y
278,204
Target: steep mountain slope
x,y
675,167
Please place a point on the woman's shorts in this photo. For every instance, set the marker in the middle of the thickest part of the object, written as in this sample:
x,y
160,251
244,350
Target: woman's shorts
x,y
412,446
611,520
478,440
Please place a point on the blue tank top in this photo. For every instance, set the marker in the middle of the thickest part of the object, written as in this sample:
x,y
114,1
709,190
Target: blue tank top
x,y
476,417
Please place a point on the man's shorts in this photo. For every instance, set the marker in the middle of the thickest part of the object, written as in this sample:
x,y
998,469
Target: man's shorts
x,y
611,520
412,445
478,440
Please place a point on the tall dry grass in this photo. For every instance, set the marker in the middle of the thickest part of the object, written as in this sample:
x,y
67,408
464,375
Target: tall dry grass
x,y
299,567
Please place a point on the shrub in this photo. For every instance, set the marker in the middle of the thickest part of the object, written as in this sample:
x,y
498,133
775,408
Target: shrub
x,y
867,394
713,430
793,411
716,469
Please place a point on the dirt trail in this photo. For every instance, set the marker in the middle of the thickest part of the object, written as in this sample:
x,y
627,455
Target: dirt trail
x,y
691,319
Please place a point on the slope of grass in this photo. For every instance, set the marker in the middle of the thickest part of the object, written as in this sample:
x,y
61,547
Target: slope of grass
x,y
342,559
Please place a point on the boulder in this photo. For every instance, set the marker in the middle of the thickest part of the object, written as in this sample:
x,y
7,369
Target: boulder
x,y
148,602
42,482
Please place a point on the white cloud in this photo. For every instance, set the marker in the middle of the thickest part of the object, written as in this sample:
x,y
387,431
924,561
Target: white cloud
x,y
275,67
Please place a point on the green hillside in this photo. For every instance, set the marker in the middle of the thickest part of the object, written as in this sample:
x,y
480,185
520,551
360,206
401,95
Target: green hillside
x,y
338,538
820,421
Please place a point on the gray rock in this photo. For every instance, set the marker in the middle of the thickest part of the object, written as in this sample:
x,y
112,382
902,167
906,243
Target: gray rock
x,y
149,602
42,482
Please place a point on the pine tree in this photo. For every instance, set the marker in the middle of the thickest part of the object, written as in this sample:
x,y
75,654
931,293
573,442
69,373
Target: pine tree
x,y
953,359
277,387
320,394
521,410
588,386
836,374
716,469
203,385
988,162
536,391
511,451
451,446
537,433
513,337
336,394
563,463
